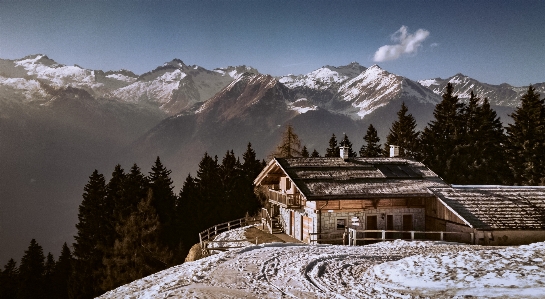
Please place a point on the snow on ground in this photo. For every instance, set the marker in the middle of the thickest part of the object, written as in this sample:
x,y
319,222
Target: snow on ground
x,y
232,235
398,269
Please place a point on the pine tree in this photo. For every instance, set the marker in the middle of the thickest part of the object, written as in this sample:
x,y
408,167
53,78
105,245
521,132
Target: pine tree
x,y
346,143
290,146
231,180
88,267
526,140
489,149
9,280
403,134
251,165
371,148
208,194
190,211
48,282
333,149
315,154
31,272
139,251
62,272
164,202
442,135
305,153
111,208
135,189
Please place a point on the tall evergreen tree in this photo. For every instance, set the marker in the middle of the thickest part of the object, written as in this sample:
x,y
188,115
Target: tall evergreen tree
x,y
190,211
135,189
526,140
9,280
208,194
290,146
31,272
305,153
111,207
62,272
315,154
88,267
442,135
164,202
333,149
251,165
346,143
139,251
48,282
489,149
371,147
403,134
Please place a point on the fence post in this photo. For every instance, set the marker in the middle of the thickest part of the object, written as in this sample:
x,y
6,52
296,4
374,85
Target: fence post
x,y
412,235
355,240
383,235
215,230
472,238
441,236
228,225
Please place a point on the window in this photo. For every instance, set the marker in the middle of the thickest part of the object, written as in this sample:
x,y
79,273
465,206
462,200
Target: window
x,y
341,224
288,184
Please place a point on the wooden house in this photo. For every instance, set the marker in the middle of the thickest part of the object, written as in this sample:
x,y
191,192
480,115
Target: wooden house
x,y
325,195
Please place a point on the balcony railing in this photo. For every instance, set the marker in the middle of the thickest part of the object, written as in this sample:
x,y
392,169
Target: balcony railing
x,y
287,200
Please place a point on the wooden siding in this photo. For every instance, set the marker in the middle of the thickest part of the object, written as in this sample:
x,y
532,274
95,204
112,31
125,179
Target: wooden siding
x,y
435,209
363,204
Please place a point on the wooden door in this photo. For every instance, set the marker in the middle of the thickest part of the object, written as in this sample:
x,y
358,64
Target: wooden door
x,y
371,224
407,225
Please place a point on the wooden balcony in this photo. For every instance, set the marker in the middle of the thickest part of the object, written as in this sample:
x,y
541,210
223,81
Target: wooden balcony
x,y
293,201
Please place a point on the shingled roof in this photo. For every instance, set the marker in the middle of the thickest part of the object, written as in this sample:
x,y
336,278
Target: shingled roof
x,y
355,178
496,207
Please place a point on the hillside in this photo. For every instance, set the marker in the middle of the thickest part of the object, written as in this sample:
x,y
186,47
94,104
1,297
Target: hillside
x,y
398,269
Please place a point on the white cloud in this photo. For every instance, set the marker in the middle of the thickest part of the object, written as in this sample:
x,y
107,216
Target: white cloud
x,y
406,44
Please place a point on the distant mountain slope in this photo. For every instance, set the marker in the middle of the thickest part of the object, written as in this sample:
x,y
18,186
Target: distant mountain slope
x,y
498,95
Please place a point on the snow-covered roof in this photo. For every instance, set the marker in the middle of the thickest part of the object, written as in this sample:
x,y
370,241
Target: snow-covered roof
x,y
335,178
497,207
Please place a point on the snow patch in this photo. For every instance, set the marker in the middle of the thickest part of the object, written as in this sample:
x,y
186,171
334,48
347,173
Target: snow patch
x,y
399,269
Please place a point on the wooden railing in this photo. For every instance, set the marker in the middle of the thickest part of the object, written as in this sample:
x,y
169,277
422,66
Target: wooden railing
x,y
371,236
354,237
288,200
209,234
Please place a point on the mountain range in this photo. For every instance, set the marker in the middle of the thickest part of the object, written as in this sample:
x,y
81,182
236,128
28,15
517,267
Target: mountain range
x,y
58,123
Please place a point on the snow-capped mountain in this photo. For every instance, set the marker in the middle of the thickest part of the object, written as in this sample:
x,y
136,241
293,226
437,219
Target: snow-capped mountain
x,y
498,95
326,77
376,88
172,87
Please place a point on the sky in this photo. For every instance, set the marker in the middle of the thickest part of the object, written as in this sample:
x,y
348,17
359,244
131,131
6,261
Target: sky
x,y
492,41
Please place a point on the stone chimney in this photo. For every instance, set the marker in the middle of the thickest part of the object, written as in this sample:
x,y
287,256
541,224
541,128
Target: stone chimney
x,y
394,151
344,152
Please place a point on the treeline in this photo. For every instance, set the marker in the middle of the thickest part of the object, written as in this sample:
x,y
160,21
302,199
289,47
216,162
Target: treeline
x,y
135,225
465,143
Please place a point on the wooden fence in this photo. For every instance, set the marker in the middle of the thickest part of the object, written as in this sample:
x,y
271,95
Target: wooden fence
x,y
207,236
354,237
